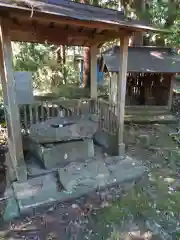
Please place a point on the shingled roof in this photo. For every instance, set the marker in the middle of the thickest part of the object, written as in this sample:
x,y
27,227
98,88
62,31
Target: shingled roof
x,y
143,59
75,10
104,23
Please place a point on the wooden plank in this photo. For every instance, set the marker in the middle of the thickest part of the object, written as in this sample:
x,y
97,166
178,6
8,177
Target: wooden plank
x,y
121,92
11,108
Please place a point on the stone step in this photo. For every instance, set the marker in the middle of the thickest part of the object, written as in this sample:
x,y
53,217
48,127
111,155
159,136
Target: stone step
x,y
147,112
146,117
161,119
146,107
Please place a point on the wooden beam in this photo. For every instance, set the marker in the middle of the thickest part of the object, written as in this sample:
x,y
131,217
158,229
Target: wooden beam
x,y
100,39
49,29
11,109
36,38
121,92
93,71
40,38
34,32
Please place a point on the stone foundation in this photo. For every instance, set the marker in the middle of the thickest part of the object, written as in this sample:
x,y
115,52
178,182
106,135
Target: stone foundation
x,y
71,182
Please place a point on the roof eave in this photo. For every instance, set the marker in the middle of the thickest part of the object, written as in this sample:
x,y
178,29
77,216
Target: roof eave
x,y
117,24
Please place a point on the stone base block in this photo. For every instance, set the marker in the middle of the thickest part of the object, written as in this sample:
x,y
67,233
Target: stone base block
x,y
10,172
60,154
87,176
144,139
121,150
10,205
36,192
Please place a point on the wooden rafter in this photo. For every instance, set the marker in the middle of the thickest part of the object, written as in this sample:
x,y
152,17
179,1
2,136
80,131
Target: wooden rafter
x,y
33,31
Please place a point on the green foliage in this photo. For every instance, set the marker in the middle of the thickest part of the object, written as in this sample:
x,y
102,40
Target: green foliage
x,y
30,57
115,236
173,37
71,91
41,60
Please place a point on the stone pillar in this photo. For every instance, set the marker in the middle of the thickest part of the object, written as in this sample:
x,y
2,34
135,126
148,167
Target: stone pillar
x,y
93,73
10,106
121,91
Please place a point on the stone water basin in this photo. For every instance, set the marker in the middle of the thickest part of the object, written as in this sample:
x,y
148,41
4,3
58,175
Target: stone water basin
x,y
63,139
60,129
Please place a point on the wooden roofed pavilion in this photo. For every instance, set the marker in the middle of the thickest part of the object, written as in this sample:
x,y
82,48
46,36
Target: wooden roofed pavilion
x,y
150,74
76,23
62,23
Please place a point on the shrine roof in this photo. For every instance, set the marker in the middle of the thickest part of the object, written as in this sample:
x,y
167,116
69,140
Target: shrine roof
x,y
143,59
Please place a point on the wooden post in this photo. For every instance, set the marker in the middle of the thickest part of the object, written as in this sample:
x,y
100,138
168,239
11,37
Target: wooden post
x,y
121,91
10,106
93,75
170,93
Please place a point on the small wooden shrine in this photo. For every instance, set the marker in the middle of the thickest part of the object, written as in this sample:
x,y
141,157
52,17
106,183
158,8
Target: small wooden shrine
x,y
150,72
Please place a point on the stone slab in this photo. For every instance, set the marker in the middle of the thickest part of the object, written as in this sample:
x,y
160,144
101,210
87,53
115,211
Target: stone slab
x,y
34,167
23,87
59,129
107,141
90,175
144,139
77,179
99,173
126,170
60,154
36,192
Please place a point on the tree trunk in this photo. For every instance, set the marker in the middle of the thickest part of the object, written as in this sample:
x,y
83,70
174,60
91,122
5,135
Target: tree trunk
x,y
138,36
63,54
61,61
58,56
86,68
86,56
